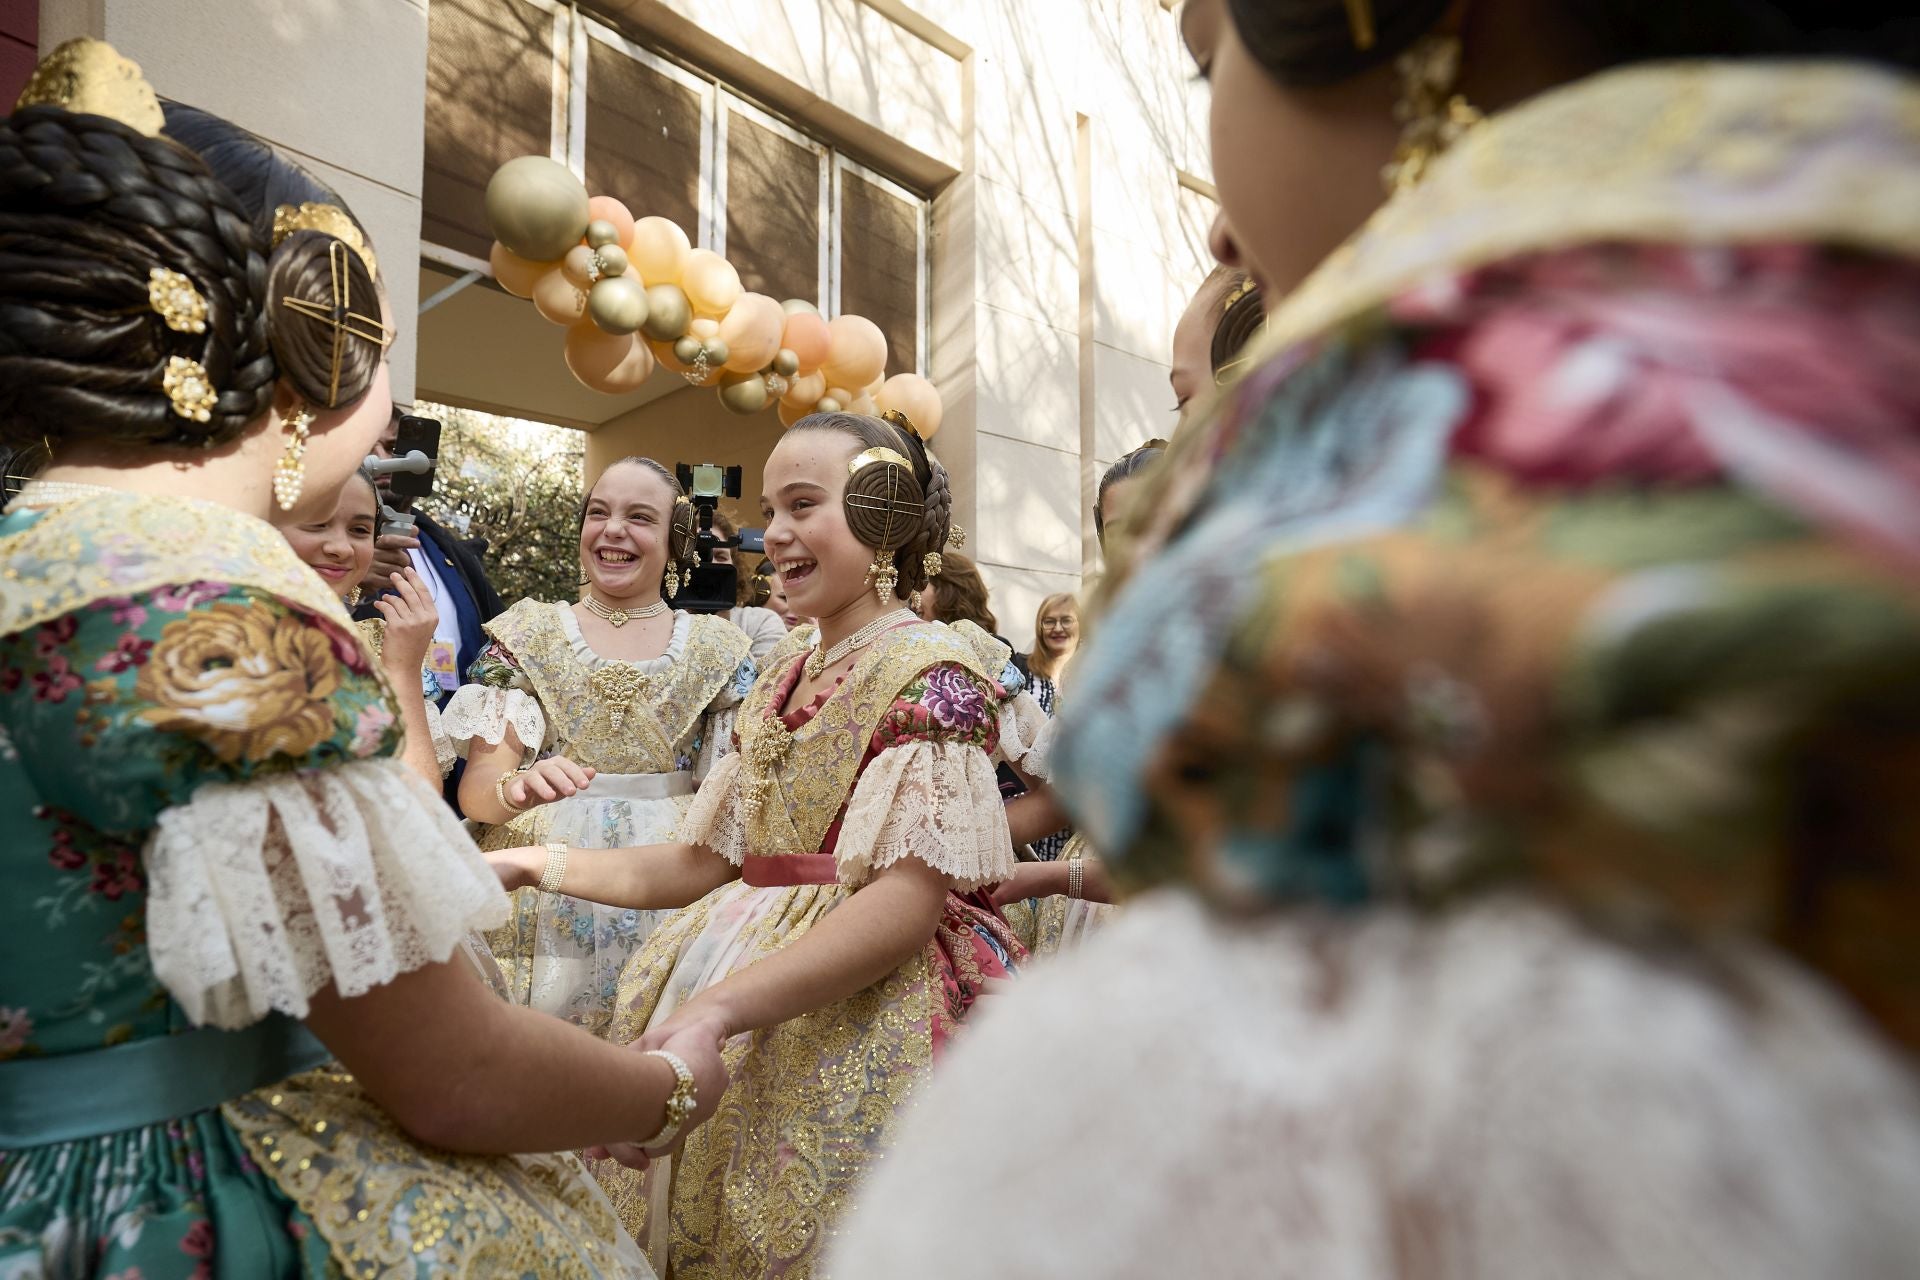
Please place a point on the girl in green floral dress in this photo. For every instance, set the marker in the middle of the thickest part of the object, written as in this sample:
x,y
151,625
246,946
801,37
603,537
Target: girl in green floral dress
x,y
210,840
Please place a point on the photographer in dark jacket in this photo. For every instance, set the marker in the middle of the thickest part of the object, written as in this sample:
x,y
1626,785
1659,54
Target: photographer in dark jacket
x,y
452,568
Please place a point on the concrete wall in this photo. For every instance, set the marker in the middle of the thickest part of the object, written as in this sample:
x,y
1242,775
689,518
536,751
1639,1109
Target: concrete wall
x,y
340,86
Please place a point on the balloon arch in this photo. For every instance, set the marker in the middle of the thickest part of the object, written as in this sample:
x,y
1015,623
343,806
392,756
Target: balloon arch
x,y
633,293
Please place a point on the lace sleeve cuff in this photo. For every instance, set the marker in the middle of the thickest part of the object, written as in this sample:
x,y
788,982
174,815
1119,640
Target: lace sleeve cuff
x,y
484,712
714,819
261,893
1026,734
443,750
935,801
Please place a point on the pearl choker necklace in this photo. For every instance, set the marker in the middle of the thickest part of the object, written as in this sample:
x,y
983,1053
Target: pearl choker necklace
x,y
820,660
621,617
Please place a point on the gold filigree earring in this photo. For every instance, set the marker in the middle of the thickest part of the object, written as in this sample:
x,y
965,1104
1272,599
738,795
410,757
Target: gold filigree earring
x,y
290,473
672,583
883,575
1432,116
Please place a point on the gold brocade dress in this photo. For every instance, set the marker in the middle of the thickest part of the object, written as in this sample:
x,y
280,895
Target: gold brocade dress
x,y
896,761
650,730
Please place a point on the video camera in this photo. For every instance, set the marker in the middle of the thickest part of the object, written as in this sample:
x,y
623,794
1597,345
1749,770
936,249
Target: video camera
x,y
416,451
714,586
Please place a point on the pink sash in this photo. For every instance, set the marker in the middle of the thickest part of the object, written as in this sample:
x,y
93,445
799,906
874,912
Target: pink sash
x,y
784,870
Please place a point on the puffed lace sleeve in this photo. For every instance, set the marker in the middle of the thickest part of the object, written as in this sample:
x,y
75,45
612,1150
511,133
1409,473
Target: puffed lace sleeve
x,y
497,696
714,819
929,790
289,850
716,742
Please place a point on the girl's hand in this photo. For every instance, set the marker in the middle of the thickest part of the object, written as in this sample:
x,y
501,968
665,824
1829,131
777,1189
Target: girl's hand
x,y
548,780
697,1043
411,619
1032,880
519,868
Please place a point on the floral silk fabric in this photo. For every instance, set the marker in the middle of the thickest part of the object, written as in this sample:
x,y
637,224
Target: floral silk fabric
x,y
757,1189
207,826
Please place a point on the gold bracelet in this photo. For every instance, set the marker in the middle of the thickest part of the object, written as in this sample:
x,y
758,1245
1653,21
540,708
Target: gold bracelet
x,y
556,868
680,1103
500,788
1074,873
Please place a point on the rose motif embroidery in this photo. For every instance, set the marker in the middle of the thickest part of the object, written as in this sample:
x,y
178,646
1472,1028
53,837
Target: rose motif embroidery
x,y
953,699
246,680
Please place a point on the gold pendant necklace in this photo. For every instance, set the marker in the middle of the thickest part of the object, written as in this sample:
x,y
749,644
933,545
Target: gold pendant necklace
x,y
621,617
820,660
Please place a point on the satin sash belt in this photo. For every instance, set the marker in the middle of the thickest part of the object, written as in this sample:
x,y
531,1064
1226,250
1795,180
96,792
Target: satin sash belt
x,y
787,869
144,1082
638,786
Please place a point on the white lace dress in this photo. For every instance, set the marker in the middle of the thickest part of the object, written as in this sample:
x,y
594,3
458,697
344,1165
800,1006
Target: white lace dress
x,y
1495,1094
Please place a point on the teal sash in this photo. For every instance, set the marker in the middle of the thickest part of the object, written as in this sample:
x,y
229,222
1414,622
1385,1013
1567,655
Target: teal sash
x,y
145,1082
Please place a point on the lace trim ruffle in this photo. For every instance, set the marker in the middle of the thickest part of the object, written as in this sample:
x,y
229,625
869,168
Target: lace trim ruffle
x,y
715,820
261,893
480,711
935,801
1026,735
443,750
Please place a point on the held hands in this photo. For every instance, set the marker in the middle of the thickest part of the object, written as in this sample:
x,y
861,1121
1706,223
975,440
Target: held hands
x,y
544,782
411,619
697,1042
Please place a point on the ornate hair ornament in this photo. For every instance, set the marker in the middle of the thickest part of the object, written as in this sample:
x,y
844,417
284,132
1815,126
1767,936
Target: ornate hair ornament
x,y
956,536
89,77
1238,292
880,453
898,419
174,299
188,386
328,218
931,564
345,321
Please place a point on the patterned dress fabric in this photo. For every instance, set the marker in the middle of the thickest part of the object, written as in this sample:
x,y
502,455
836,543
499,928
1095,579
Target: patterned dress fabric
x,y
206,826
895,761
651,729
1528,785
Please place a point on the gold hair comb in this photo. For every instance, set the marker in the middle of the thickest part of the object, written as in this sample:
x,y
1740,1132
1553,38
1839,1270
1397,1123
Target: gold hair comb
x,y
328,218
346,322
878,454
189,388
90,77
173,297
902,421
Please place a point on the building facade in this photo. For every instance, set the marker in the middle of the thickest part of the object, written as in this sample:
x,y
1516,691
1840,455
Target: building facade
x,y
1016,190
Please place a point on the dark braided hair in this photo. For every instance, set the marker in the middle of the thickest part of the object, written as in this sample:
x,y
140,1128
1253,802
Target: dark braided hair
x,y
88,207
1311,42
935,493
1130,464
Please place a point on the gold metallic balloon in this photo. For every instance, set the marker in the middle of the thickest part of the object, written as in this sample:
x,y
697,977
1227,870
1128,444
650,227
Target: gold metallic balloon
x,y
717,352
743,392
785,363
827,405
687,348
617,304
668,312
613,260
601,233
536,207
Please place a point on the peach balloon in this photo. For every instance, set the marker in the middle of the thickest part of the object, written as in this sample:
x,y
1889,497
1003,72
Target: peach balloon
x,y
663,352
558,298
792,413
913,395
839,395
659,248
858,352
805,390
607,209
863,403
806,336
514,273
606,362
712,285
705,328
580,266
752,330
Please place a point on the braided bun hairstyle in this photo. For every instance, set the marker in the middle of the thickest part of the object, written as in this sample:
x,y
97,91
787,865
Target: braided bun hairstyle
x,y
89,208
683,530
905,510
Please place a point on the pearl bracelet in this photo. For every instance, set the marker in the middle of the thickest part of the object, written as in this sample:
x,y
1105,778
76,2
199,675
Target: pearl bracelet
x,y
500,788
556,868
680,1103
1075,871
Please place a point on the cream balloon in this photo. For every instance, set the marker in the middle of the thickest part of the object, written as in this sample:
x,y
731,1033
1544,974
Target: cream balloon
x,y
806,390
792,413
606,362
791,305
515,274
536,207
751,329
581,266
705,328
607,209
863,404
807,336
711,283
558,299
913,395
857,354
659,248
